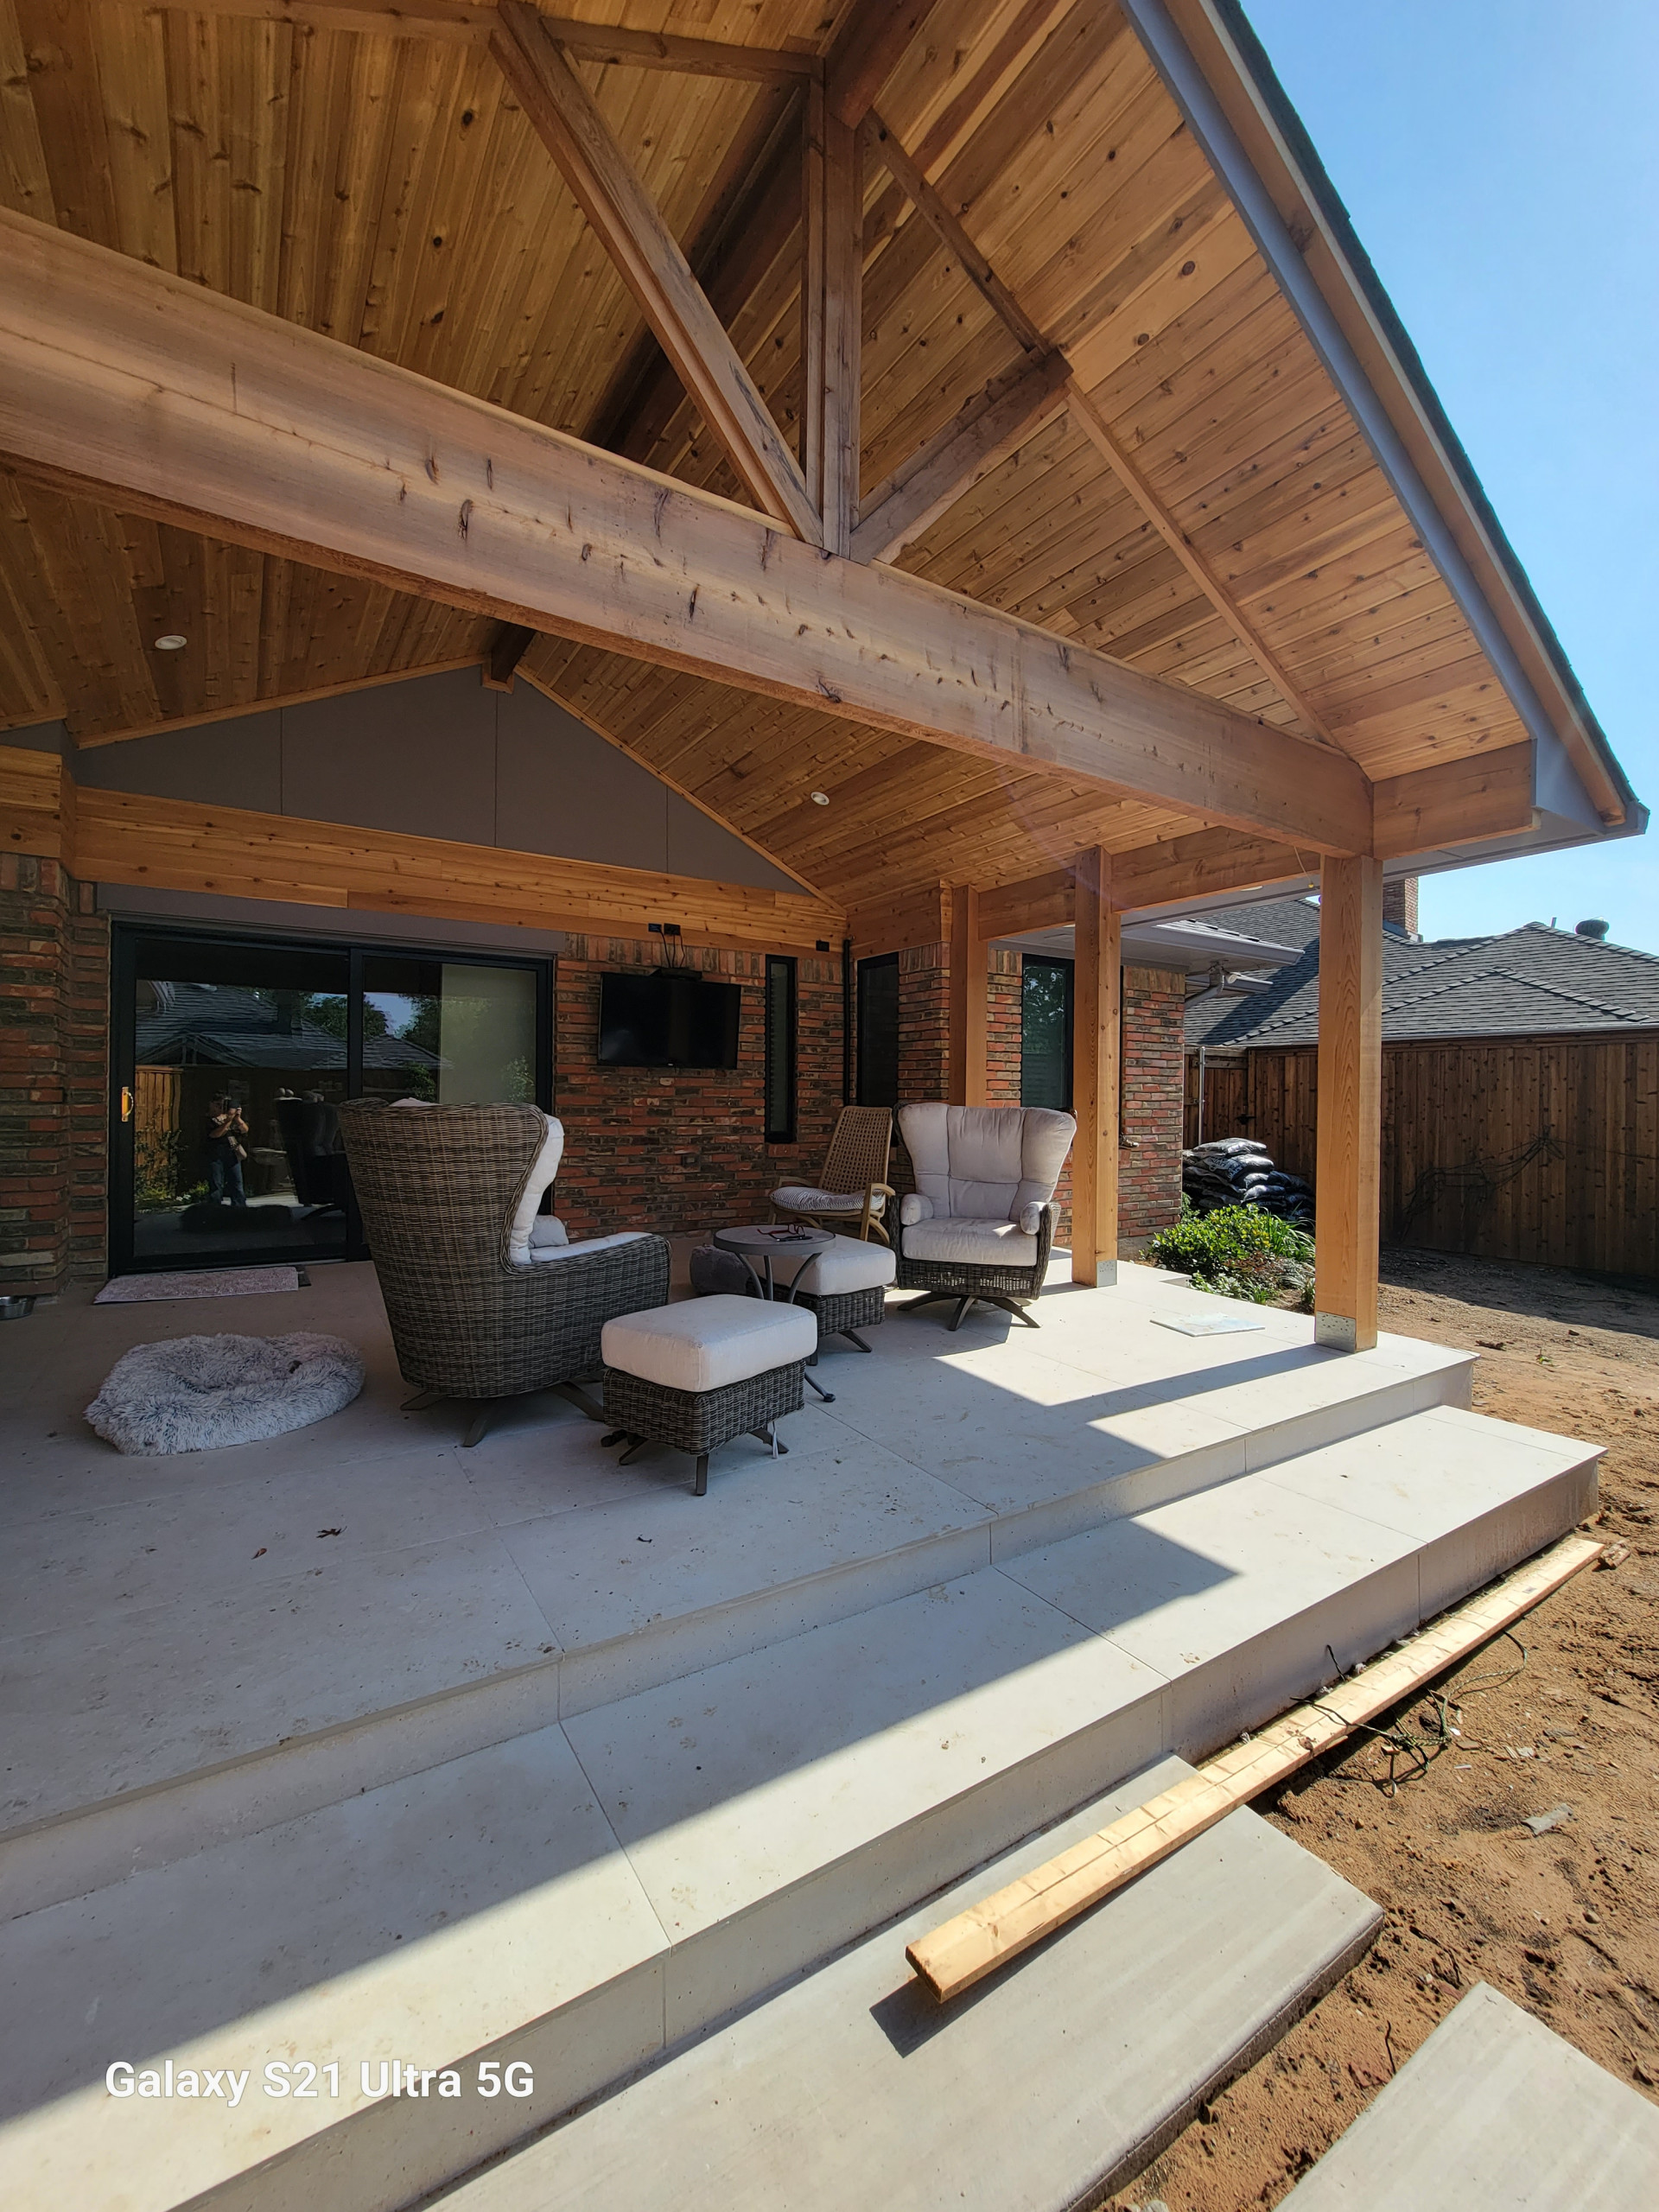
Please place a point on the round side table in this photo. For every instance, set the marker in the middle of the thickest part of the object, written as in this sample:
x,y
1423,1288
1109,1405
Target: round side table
x,y
757,1247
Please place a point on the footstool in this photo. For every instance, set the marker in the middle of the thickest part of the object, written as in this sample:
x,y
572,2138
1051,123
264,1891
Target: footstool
x,y
845,1286
696,1374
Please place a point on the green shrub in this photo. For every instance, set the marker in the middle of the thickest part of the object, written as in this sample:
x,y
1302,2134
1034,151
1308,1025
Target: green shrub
x,y
1238,1251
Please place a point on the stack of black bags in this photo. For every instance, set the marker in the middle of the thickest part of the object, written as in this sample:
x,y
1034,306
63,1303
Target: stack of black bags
x,y
1239,1172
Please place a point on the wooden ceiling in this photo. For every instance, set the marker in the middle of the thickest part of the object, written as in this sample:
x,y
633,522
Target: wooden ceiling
x,y
1204,509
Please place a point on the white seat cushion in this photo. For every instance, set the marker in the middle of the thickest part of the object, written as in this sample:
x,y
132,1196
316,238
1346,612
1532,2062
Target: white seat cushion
x,y
707,1342
849,1264
543,1255
799,1199
543,1169
980,1243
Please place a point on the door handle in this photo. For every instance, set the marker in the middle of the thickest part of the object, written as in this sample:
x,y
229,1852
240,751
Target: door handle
x,y
126,1103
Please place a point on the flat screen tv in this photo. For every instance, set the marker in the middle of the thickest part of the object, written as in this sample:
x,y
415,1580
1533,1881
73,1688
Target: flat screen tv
x,y
667,1018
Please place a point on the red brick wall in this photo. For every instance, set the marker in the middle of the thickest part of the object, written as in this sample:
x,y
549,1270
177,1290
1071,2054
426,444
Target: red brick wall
x,y
1155,1066
1002,1029
684,1150
54,1012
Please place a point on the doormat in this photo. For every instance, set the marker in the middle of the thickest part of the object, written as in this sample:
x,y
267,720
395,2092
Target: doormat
x,y
1208,1324
201,1282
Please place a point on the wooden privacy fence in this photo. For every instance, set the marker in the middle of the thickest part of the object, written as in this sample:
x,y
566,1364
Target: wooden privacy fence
x,y
1541,1148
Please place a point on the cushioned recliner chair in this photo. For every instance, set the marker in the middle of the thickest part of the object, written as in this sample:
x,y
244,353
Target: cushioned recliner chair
x,y
487,1297
980,1224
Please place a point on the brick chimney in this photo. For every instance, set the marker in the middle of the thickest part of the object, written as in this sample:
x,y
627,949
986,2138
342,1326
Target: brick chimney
x,y
1400,904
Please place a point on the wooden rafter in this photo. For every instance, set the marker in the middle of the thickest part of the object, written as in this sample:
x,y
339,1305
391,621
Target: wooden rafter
x,y
507,648
650,262
125,384
932,209
983,435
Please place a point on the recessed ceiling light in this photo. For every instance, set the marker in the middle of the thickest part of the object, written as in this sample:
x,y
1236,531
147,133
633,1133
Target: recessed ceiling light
x,y
820,799
172,643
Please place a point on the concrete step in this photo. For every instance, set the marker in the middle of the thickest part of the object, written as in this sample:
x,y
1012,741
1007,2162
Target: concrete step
x,y
1494,2110
851,2087
173,1697
589,1892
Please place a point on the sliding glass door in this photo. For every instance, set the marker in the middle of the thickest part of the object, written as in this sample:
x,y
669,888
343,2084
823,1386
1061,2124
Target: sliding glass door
x,y
231,1057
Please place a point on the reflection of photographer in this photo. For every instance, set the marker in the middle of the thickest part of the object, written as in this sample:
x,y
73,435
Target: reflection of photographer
x,y
226,1150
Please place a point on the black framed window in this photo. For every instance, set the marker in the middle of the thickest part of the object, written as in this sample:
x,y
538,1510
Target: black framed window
x,y
1045,994
877,1031
780,1049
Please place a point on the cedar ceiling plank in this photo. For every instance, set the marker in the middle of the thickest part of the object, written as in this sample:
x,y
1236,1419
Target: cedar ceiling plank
x,y
868,46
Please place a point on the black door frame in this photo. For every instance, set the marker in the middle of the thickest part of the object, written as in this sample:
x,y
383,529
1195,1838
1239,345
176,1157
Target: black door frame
x,y
127,939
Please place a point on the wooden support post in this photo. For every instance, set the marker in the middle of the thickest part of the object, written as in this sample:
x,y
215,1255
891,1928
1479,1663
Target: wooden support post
x,y
832,317
969,991
1096,998
1350,1102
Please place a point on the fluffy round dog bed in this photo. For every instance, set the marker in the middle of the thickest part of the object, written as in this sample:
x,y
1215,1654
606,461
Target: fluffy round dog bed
x,y
193,1394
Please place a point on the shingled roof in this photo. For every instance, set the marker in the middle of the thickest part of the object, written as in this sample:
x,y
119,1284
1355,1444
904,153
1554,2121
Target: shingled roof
x,y
1527,982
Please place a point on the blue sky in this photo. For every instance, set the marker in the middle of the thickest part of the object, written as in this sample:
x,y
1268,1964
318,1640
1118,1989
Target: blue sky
x,y
1500,159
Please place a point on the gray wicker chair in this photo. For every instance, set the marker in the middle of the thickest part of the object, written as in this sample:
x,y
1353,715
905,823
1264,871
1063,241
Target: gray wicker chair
x,y
448,1196
854,1186
979,1226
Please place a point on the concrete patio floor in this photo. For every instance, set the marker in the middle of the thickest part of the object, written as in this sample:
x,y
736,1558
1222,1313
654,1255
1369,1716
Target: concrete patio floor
x,y
354,1739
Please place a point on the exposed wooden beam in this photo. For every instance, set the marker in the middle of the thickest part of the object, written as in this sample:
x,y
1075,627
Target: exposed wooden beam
x,y
873,42
970,969
507,648
463,21
1174,871
992,425
1488,795
832,317
931,206
649,260
122,383
1348,1174
1096,993
179,845
1041,902
748,225
900,924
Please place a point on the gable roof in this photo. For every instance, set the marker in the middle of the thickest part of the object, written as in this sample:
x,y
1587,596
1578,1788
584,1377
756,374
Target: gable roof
x,y
1215,477
1530,980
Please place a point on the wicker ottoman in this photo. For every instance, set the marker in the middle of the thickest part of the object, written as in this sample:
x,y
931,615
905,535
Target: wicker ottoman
x,y
845,1286
696,1374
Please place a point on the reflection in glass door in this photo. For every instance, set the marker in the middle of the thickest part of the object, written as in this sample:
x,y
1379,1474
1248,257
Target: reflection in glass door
x,y
239,1057
232,1057
449,1031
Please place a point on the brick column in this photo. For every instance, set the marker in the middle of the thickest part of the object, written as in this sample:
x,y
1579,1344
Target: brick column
x,y
1154,1060
54,1017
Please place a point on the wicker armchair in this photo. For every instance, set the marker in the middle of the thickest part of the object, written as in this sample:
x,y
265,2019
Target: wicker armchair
x,y
486,1300
854,1186
981,1224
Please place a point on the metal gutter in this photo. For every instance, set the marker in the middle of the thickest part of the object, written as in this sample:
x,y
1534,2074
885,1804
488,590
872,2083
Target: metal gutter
x,y
1232,37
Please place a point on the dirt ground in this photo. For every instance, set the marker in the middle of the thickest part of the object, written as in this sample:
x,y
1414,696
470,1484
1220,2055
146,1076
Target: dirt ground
x,y
1565,1924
